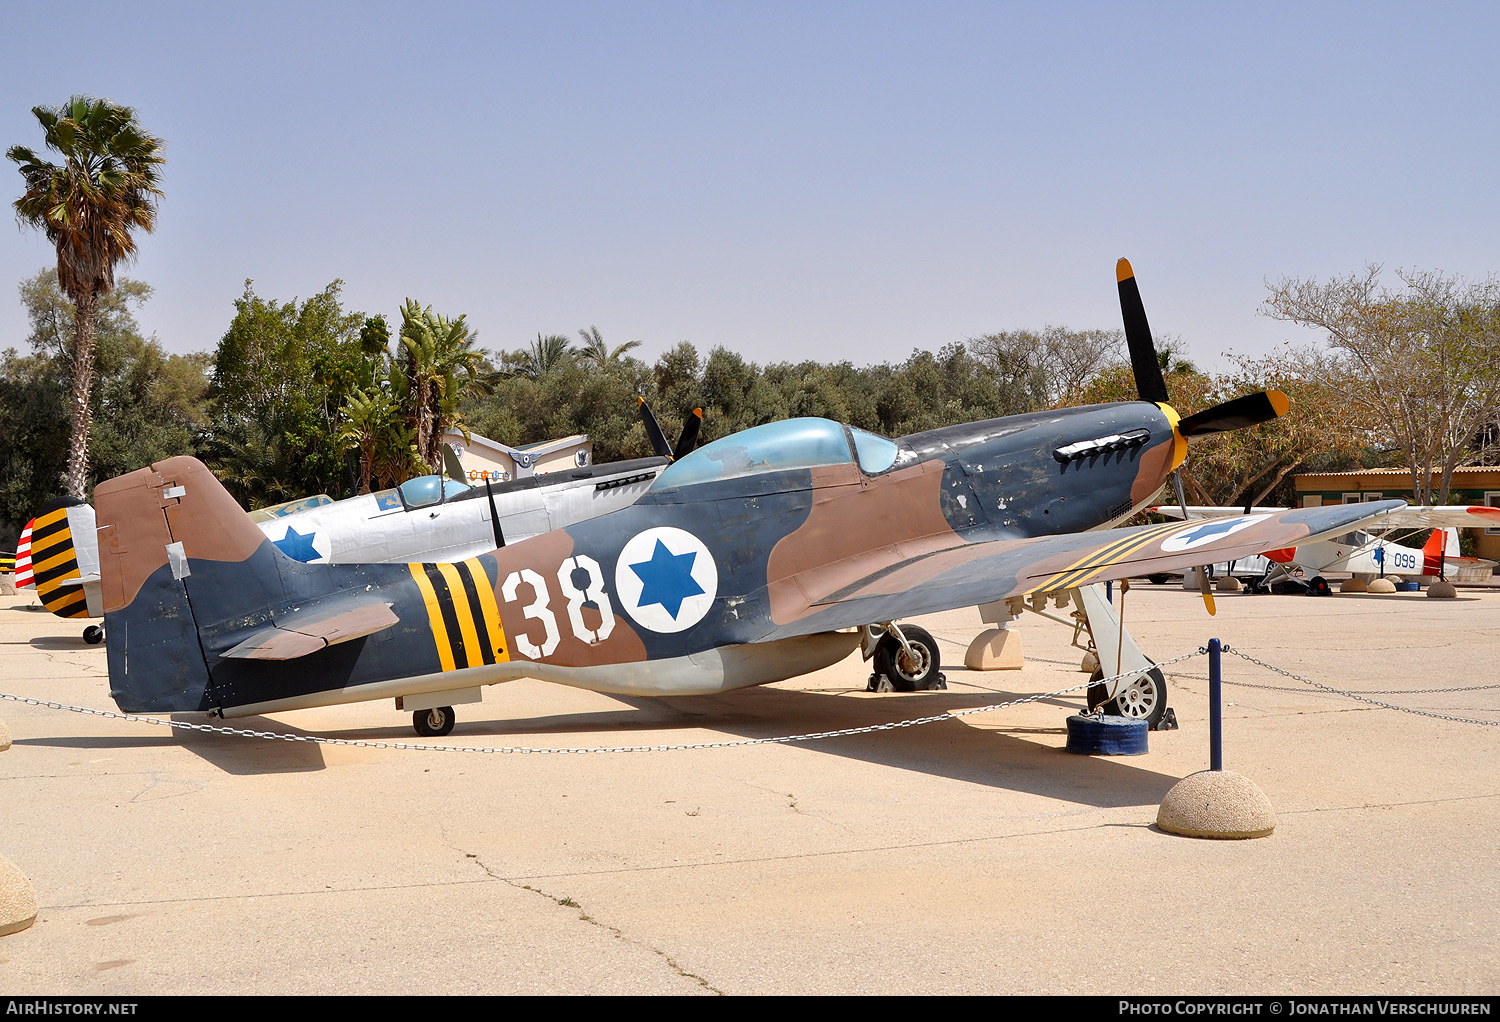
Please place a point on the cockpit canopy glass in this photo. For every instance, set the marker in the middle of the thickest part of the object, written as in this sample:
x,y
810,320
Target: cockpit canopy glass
x,y
425,491
778,446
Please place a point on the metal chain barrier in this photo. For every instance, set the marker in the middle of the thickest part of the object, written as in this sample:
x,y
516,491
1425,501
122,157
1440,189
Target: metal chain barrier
x,y
741,743
1361,698
516,749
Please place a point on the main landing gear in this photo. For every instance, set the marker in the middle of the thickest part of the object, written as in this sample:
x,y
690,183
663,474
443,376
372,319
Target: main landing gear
x,y
1144,699
906,660
433,723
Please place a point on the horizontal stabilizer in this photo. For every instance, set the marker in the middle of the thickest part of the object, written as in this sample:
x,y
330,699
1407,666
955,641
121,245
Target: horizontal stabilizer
x,y
299,634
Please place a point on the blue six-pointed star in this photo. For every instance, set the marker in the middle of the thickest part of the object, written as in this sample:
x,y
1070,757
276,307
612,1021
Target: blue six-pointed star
x,y
297,546
667,578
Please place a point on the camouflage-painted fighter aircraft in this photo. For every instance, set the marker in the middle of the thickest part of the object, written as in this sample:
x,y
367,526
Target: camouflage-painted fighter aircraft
x,y
762,556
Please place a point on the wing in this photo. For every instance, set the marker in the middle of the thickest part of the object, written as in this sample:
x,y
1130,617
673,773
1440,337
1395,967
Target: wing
x,y
971,574
1461,516
312,628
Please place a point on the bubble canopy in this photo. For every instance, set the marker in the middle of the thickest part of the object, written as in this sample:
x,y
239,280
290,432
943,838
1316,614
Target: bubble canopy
x,y
778,447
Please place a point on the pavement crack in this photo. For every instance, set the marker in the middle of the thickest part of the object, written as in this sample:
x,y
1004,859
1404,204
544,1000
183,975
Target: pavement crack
x,y
619,934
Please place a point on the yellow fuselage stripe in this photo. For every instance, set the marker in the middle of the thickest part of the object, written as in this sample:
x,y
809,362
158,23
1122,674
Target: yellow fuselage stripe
x,y
434,616
490,608
472,653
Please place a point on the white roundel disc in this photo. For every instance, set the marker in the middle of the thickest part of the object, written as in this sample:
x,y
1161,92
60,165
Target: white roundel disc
x,y
666,579
1208,530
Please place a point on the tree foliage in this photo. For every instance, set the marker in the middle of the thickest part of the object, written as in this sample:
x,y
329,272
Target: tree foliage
x,y
88,206
145,404
1419,366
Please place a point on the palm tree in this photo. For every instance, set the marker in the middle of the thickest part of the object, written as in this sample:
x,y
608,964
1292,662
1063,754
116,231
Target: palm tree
x,y
545,355
596,351
441,364
107,187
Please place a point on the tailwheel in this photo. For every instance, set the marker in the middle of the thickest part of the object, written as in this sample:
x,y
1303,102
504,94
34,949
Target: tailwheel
x,y
433,723
1145,698
93,635
909,672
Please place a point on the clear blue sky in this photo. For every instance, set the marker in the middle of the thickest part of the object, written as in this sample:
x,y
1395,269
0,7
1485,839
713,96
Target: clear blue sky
x,y
825,180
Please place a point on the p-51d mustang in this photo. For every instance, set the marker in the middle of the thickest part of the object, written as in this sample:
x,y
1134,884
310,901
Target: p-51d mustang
x,y
764,555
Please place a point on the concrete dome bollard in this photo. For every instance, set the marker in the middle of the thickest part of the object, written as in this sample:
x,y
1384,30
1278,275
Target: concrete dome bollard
x,y
1216,804
4,736
1383,586
1228,584
1354,585
18,906
1441,590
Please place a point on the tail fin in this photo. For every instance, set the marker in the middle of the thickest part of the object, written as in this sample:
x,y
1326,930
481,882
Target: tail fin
x,y
1442,543
152,524
53,556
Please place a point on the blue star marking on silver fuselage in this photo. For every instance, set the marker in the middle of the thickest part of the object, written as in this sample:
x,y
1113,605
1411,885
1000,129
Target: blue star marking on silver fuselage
x,y
297,546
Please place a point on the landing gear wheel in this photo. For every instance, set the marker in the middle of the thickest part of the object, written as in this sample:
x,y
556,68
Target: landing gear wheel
x,y
433,723
1145,698
1319,586
1158,579
93,635
892,660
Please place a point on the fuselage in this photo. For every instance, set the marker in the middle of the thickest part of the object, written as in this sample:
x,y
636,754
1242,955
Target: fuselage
x,y
739,566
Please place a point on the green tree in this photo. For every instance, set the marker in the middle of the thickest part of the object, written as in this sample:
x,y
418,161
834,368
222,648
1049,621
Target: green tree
x,y
281,375
105,189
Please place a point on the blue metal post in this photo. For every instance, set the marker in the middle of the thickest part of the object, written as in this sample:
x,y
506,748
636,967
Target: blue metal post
x,y
1215,713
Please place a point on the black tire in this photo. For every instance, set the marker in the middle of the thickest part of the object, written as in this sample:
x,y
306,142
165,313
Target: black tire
x,y
1146,698
433,723
93,635
1319,586
1158,579
891,660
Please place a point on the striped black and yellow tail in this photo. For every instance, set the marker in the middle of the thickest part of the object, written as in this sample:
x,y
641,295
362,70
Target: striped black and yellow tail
x,y
55,557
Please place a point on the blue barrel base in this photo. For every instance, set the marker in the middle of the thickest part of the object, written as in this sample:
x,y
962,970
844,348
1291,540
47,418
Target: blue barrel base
x,y
1107,735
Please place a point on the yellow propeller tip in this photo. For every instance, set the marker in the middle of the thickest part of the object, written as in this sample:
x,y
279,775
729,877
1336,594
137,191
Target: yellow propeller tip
x,y
1279,401
1123,270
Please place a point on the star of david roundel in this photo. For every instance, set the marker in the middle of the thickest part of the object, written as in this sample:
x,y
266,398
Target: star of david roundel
x,y
666,579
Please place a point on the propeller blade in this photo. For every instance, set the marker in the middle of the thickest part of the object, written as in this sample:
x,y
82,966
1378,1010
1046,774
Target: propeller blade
x,y
1208,596
1250,410
689,435
1149,382
653,431
453,466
